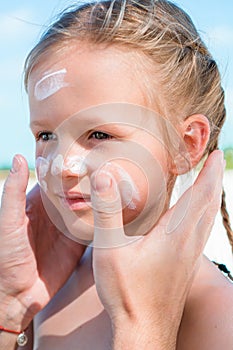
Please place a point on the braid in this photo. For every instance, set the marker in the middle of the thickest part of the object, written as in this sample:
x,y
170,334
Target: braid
x,y
226,219
224,212
213,145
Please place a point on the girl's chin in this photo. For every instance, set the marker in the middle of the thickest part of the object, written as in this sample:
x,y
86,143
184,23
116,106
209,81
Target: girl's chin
x,y
80,229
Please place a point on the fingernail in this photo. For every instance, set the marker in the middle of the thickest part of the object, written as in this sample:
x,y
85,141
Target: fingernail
x,y
102,181
15,165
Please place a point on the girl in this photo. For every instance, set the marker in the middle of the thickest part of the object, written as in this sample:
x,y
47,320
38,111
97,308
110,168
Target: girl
x,y
124,96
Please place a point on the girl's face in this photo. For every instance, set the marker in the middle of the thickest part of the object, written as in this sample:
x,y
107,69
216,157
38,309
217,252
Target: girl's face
x,y
88,112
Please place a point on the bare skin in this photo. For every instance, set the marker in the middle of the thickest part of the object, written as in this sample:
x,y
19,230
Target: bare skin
x,y
76,318
77,303
76,312
77,315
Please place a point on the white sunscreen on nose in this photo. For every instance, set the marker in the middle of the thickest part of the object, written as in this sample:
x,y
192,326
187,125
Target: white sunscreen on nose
x,y
50,84
75,165
129,195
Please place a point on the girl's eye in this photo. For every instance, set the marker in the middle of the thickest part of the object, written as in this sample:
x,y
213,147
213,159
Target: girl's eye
x,y
99,135
46,136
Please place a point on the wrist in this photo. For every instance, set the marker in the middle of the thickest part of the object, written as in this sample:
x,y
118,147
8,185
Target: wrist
x,y
132,335
14,314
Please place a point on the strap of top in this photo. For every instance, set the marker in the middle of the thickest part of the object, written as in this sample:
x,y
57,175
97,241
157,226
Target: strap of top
x,y
224,269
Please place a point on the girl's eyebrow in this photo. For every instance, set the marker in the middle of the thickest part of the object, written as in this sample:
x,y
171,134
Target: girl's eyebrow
x,y
89,120
39,123
85,122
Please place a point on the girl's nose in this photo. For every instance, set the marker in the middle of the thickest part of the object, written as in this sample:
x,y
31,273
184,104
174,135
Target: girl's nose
x,y
71,165
74,165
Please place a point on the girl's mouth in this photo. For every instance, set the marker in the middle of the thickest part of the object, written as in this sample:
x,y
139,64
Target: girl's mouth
x,y
75,201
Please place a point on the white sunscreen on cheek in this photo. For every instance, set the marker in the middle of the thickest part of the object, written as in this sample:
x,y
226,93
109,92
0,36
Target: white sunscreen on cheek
x,y
44,185
57,165
42,167
50,84
131,193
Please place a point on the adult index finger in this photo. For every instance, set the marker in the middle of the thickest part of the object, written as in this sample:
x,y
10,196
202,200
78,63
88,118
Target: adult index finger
x,y
107,208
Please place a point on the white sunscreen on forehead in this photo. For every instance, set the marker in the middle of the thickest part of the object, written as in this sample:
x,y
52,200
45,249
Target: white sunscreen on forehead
x,y
50,84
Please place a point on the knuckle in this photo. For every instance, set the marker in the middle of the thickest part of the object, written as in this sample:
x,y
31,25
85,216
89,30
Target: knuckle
x,y
107,208
103,217
8,187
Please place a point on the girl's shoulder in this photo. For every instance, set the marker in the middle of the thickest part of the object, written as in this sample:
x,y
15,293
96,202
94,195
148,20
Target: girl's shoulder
x,y
208,316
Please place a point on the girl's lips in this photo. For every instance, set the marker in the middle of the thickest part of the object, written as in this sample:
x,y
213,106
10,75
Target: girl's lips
x,y
76,201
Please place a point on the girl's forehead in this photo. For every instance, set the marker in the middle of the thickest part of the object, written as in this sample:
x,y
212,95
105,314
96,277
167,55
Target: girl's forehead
x,y
86,61
78,79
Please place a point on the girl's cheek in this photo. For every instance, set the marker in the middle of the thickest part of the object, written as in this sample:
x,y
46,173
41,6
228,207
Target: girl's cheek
x,y
131,211
42,172
132,185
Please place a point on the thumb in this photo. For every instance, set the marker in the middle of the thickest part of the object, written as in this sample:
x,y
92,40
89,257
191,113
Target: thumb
x,y
14,194
107,209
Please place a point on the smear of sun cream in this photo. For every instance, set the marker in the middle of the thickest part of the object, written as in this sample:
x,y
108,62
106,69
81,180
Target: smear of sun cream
x,y
130,194
75,165
43,185
50,84
42,166
57,165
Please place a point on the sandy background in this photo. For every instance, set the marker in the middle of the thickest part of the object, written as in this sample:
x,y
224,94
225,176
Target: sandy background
x,y
217,248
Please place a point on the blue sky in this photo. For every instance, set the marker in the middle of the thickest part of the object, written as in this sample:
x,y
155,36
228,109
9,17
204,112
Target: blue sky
x,y
22,21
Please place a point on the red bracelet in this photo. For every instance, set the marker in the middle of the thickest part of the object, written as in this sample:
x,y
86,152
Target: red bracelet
x,y
22,339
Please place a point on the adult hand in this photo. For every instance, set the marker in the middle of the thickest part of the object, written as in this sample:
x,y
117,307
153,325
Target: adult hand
x,y
144,285
35,258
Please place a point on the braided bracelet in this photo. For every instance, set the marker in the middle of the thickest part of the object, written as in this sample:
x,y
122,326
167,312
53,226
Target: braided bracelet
x,y
22,339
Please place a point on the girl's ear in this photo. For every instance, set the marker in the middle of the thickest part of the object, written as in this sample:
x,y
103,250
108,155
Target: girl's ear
x,y
195,133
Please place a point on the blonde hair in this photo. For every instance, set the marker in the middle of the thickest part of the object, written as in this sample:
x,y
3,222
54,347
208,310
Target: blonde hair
x,y
163,33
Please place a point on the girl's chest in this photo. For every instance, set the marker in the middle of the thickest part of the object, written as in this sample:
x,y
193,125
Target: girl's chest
x,y
75,319
65,334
